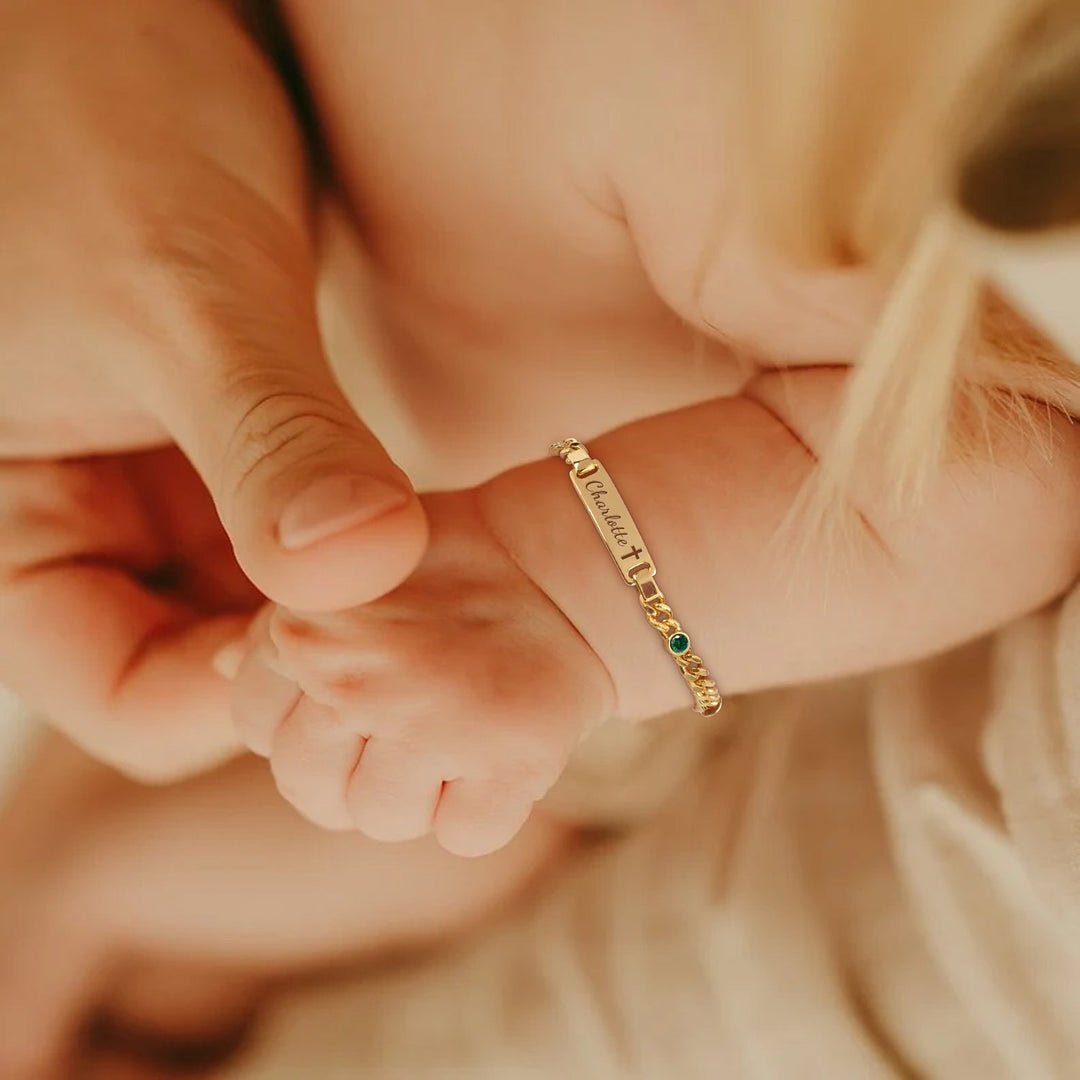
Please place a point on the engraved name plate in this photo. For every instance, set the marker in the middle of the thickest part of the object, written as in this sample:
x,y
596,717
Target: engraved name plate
x,y
612,520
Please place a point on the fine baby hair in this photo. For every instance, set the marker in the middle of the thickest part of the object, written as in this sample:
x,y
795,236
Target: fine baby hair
x,y
894,135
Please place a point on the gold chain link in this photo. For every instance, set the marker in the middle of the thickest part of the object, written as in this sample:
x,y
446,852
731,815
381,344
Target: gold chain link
x,y
564,447
697,676
707,697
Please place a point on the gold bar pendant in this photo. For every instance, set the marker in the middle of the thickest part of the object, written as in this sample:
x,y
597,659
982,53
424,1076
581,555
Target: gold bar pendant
x,y
611,518
622,539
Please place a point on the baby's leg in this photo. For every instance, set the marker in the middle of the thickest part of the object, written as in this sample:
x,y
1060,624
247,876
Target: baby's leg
x,y
219,873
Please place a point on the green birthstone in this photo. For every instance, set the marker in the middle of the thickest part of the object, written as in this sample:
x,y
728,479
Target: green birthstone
x,y
678,643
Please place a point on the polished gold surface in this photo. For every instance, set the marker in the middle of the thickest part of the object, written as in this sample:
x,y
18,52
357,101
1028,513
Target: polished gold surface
x,y
612,519
627,548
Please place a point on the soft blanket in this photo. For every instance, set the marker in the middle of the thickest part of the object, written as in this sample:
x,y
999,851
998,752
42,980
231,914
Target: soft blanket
x,y
873,879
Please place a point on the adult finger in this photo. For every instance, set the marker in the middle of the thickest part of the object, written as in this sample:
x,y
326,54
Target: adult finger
x,y
318,514
123,670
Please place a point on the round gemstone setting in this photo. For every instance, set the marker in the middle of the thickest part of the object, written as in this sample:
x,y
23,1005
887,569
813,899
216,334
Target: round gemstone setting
x,y
678,643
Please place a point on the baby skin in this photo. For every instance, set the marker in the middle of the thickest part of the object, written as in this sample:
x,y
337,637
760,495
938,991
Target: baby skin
x,y
453,703
535,186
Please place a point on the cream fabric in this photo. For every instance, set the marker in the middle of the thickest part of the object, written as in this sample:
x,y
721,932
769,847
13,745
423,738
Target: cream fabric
x,y
873,879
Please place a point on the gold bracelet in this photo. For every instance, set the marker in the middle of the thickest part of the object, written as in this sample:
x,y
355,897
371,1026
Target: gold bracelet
x,y
614,523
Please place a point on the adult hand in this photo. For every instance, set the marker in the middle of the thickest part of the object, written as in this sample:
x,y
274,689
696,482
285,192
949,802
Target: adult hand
x,y
157,287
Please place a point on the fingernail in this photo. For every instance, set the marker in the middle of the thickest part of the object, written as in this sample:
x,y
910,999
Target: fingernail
x,y
227,660
333,506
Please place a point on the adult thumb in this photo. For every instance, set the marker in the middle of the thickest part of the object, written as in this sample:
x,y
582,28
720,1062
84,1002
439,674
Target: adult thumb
x,y
319,516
